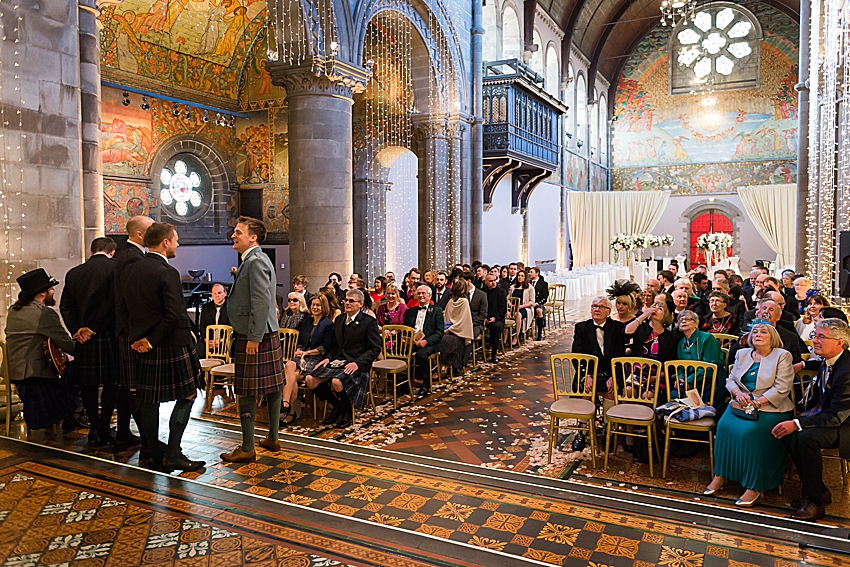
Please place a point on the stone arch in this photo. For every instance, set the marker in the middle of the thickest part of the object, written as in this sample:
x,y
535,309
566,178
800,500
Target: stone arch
x,y
212,225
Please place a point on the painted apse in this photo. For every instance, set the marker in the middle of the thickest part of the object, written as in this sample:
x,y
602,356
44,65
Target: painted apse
x,y
203,51
664,142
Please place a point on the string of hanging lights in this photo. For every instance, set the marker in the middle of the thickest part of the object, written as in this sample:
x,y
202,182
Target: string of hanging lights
x,y
675,11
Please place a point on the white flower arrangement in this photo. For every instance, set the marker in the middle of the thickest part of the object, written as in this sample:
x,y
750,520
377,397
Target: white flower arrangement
x,y
667,240
715,242
622,242
653,241
640,240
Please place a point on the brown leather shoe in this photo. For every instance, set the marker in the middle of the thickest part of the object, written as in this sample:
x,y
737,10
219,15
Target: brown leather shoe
x,y
239,456
809,512
826,498
269,445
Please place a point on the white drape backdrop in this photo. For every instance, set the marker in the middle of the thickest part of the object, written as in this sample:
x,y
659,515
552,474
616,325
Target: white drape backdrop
x,y
595,217
773,210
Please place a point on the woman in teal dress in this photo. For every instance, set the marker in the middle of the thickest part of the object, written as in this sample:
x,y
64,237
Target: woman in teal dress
x,y
745,451
698,346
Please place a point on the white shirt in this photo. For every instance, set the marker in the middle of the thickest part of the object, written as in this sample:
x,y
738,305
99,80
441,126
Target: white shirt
x,y
829,363
217,312
139,246
600,336
160,255
420,319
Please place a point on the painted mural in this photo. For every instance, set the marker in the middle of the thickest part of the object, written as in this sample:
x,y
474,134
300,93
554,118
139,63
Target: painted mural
x,y
122,200
575,171
257,91
677,143
126,136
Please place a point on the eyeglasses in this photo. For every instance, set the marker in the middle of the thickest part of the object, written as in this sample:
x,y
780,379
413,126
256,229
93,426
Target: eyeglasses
x,y
293,300
349,300
600,307
824,338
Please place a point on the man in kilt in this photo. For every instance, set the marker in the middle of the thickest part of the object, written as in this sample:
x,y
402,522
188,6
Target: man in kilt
x,y
47,397
132,252
161,332
257,353
88,309
342,379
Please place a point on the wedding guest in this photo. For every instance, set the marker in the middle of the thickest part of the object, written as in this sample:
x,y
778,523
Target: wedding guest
x,y
720,320
294,313
459,332
806,324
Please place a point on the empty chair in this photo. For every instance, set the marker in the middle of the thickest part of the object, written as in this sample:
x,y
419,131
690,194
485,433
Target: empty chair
x,y
217,354
574,387
398,352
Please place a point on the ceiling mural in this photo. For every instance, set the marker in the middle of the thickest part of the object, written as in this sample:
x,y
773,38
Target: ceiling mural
x,y
182,45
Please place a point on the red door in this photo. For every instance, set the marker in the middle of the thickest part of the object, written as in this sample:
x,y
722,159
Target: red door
x,y
703,224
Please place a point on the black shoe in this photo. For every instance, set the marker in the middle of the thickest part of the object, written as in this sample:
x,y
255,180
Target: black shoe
x,y
181,462
126,441
423,392
826,499
579,442
332,418
99,439
145,452
344,421
493,360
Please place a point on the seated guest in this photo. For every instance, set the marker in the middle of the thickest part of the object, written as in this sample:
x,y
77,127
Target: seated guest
x,y
408,287
477,304
648,296
695,303
680,305
702,287
315,339
720,320
786,281
666,279
380,289
299,284
674,269
651,339
654,285
430,278
291,317
212,313
428,325
392,311
342,377
47,399
806,324
358,283
541,296
505,281
458,334
442,293
602,337
333,304
523,291
335,281
795,303
737,308
824,424
497,308
698,346
627,301
746,451
770,311
390,276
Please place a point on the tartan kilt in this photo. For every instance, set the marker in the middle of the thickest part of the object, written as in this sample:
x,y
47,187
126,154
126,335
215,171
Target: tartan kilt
x,y
47,400
96,360
167,373
355,385
128,363
261,373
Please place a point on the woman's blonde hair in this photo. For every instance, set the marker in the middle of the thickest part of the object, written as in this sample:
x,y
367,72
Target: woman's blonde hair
x,y
775,339
302,305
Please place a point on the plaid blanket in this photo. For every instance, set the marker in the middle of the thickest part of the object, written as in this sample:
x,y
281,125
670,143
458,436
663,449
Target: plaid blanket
x,y
261,373
96,360
168,373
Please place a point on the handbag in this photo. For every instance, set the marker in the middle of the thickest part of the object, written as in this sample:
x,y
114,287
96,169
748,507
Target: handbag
x,y
750,413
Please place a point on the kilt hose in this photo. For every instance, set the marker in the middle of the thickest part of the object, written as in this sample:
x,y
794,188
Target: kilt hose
x,y
96,360
128,362
261,373
167,373
356,385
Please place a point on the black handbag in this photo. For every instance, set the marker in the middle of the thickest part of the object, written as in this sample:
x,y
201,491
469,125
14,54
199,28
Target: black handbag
x,y
750,413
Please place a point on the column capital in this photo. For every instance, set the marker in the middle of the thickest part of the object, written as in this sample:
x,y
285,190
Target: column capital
x,y
319,76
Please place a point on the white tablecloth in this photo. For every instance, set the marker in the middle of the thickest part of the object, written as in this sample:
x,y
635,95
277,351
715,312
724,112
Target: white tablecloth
x,y
588,280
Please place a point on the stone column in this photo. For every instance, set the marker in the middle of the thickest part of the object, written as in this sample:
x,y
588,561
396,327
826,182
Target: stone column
x,y
458,180
320,179
476,217
432,149
90,107
803,136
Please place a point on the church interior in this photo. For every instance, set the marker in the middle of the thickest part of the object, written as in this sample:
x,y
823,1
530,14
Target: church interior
x,y
596,141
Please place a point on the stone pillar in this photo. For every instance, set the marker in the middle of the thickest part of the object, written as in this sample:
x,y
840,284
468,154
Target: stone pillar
x,y
803,136
477,187
320,169
432,149
467,189
370,230
457,181
524,252
90,107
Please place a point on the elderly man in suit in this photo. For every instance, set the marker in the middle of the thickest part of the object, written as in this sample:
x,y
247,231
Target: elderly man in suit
x,y
342,379
161,332
47,398
212,313
427,323
258,354
603,338
825,423
88,309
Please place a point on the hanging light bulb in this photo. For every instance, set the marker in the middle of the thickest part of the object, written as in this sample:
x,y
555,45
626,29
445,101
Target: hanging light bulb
x,y
206,117
674,11
175,111
126,98
188,113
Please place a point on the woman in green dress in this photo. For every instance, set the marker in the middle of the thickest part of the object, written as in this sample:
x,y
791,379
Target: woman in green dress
x,y
746,451
698,346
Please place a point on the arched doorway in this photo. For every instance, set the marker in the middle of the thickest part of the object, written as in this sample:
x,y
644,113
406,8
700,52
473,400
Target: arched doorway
x,y
712,221
402,206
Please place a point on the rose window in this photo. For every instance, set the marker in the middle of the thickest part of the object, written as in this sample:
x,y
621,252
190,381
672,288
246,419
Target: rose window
x,y
183,186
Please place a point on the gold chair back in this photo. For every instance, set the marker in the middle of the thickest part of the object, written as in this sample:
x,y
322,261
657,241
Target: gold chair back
x,y
513,307
557,292
398,342
7,393
218,342
802,381
288,343
571,374
636,380
726,341
684,375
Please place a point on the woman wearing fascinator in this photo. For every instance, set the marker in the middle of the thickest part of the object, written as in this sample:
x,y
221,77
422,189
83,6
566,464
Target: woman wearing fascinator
x,y
628,302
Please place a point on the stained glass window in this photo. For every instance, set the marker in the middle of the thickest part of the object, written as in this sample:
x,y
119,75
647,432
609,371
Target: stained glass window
x,y
184,187
717,50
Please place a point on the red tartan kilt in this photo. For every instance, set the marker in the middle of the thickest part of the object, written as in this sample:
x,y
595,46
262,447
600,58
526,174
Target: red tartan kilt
x,y
261,373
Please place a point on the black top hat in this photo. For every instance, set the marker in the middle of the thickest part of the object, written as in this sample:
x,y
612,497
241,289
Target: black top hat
x,y
34,282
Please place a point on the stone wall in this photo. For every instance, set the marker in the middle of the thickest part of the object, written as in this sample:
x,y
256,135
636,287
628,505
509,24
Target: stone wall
x,y
42,150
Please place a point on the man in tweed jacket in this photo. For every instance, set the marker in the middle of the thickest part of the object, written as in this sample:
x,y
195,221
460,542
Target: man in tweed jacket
x,y
257,354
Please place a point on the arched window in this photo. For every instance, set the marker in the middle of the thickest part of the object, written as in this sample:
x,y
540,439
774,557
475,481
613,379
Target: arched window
x,y
492,37
184,187
581,114
511,43
553,68
603,130
570,100
537,56
718,49
593,118
711,221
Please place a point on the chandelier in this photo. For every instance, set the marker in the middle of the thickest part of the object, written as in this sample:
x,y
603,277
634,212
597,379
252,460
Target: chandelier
x,y
674,11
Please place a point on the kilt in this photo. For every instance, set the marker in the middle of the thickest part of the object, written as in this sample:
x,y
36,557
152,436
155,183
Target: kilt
x,y
96,360
167,373
261,373
128,362
355,385
47,400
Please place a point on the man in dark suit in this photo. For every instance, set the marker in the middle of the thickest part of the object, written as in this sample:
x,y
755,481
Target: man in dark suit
x,y
161,332
603,338
541,296
825,423
88,309
342,379
442,293
427,323
667,281
497,308
212,313
477,305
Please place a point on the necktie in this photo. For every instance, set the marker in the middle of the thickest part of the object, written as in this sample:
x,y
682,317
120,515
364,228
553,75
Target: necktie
x,y
820,383
348,321
217,314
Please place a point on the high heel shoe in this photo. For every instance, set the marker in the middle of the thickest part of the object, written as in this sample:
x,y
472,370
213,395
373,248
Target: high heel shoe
x,y
744,504
712,491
